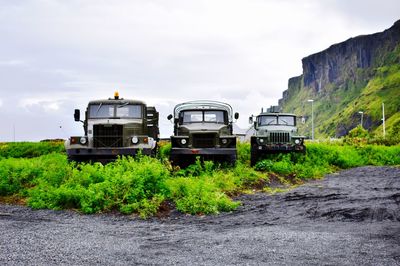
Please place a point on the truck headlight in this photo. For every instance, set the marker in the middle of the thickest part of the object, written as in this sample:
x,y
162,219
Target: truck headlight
x,y
83,140
297,141
183,141
135,140
224,141
262,140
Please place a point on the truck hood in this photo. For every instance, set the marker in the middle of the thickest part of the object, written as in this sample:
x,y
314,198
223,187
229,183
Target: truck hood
x,y
134,122
202,127
130,126
261,131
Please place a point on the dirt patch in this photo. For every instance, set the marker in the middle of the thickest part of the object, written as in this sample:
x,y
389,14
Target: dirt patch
x,y
15,200
165,209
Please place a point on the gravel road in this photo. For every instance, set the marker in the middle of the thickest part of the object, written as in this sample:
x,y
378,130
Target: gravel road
x,y
349,218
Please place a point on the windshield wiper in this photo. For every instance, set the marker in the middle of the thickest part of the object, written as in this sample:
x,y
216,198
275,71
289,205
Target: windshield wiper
x,y
122,105
98,109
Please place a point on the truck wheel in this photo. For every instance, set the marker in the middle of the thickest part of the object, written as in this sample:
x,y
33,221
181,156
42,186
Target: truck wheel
x,y
253,158
174,159
304,151
232,160
153,152
179,160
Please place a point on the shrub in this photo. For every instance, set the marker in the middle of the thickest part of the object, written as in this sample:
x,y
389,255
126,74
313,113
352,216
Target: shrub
x,y
357,136
198,196
29,149
243,152
17,175
264,165
164,150
124,184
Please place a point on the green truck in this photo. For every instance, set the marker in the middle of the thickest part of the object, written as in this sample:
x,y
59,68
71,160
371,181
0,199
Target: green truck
x,y
114,127
274,132
204,129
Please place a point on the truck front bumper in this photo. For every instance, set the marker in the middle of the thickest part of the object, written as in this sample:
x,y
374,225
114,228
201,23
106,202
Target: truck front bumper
x,y
186,156
278,148
203,151
103,154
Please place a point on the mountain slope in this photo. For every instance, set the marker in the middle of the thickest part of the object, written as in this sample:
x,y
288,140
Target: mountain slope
x,y
354,76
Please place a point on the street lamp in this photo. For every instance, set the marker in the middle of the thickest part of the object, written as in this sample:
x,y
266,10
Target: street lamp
x,y
362,117
383,120
312,118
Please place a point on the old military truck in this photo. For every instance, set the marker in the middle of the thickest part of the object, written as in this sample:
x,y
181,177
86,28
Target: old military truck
x,y
114,127
275,132
204,129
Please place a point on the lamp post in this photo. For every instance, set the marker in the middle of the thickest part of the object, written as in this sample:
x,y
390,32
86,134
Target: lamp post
x,y
383,120
362,117
312,118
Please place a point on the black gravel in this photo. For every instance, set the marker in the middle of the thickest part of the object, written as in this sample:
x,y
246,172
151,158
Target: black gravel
x,y
350,218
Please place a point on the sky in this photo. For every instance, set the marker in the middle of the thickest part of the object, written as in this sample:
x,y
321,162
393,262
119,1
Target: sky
x,y
57,55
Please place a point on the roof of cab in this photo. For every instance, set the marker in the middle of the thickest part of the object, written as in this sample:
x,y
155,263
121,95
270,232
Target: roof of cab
x,y
116,101
276,114
203,105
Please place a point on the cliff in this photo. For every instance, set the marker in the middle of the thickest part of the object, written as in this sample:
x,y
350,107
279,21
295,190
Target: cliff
x,y
338,78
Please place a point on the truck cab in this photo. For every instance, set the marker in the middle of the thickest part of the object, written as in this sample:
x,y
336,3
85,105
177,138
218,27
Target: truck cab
x,y
204,129
114,127
275,132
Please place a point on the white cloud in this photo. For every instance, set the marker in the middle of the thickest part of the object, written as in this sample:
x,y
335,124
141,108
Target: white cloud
x,y
46,105
61,54
13,62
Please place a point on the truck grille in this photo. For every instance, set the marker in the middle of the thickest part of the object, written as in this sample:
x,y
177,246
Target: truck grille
x,y
204,140
279,137
107,136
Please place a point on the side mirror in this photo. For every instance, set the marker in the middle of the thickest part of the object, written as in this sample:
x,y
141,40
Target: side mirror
x,y
255,124
251,120
77,115
236,116
169,117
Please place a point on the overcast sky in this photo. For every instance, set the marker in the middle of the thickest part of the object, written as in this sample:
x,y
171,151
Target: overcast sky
x,y
56,55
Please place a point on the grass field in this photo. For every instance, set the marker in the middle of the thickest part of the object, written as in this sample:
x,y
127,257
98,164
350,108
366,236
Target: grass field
x,y
39,175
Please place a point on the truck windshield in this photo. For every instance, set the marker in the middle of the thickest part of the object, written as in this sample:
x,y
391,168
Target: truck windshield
x,y
286,120
267,120
113,110
130,111
203,116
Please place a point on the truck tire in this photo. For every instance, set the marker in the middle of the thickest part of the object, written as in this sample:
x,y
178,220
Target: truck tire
x,y
232,160
253,158
179,160
154,152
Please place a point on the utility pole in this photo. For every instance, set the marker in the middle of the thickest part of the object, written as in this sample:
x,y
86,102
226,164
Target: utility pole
x,y
312,118
383,120
13,132
362,117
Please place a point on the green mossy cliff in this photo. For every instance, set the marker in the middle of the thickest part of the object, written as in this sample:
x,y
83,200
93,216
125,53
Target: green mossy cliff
x,y
356,75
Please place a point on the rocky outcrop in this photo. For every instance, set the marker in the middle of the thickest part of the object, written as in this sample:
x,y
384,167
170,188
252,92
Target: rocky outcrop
x,y
338,64
339,78
294,86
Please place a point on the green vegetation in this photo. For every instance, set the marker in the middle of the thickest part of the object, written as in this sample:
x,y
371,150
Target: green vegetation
x,y
323,158
30,149
144,185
